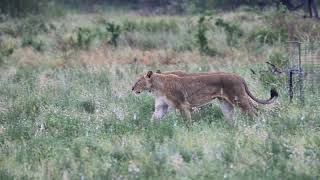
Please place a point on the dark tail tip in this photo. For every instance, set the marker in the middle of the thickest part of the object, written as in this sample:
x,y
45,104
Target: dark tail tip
x,y
274,93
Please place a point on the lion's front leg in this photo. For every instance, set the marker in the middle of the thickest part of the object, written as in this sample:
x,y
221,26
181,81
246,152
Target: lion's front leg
x,y
161,108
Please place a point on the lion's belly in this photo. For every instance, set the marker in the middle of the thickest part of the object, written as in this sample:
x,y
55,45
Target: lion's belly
x,y
202,97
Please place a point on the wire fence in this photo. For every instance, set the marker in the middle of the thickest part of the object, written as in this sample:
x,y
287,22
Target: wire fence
x,y
304,71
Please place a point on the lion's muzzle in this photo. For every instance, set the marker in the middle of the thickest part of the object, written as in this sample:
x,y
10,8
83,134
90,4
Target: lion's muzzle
x,y
137,92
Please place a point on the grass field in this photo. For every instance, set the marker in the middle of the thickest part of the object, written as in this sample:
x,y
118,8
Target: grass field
x,y
67,111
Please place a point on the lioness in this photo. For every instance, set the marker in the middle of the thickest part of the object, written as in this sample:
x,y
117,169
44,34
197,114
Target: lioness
x,y
185,91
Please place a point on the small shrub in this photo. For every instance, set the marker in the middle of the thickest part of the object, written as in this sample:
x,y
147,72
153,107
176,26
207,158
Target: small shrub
x,y
33,25
268,77
87,106
201,34
141,110
7,52
161,25
25,74
121,154
188,155
232,31
129,26
84,37
1,58
114,127
151,25
5,175
10,29
209,114
268,36
7,47
21,117
31,41
201,37
115,32
279,59
148,40
60,125
159,131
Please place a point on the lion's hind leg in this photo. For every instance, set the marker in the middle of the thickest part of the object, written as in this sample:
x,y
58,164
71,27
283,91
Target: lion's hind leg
x,y
254,108
160,111
246,107
185,112
228,111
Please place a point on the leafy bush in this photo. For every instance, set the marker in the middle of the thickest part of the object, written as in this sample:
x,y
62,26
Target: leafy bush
x,y
31,41
109,33
151,25
128,25
6,49
31,25
1,58
163,40
268,36
62,126
201,34
232,31
4,174
34,25
159,131
201,37
269,77
84,37
87,106
10,29
279,59
114,31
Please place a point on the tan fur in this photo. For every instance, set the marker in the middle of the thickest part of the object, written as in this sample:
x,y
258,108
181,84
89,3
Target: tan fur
x,y
185,91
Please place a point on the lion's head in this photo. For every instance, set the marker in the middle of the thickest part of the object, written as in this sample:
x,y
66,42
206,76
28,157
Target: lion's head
x,y
141,84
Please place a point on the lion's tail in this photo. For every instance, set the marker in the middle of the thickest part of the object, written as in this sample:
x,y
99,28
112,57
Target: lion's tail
x,y
273,92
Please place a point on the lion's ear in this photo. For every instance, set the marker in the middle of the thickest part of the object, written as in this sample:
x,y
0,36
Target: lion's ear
x,y
158,71
149,74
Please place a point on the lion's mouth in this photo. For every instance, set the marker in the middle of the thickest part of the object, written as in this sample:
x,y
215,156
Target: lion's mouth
x,y
137,92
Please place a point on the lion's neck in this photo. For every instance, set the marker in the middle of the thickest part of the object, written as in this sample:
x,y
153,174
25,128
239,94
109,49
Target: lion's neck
x,y
158,84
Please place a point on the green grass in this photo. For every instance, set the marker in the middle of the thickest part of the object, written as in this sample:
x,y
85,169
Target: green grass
x,y
81,121
76,126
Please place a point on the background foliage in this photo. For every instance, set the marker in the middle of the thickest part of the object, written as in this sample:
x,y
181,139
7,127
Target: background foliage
x,y
67,110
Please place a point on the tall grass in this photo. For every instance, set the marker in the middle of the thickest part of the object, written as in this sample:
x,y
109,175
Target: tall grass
x,y
76,120
74,126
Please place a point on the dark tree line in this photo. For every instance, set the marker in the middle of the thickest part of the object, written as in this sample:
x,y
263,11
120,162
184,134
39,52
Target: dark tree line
x,y
311,5
18,8
22,7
